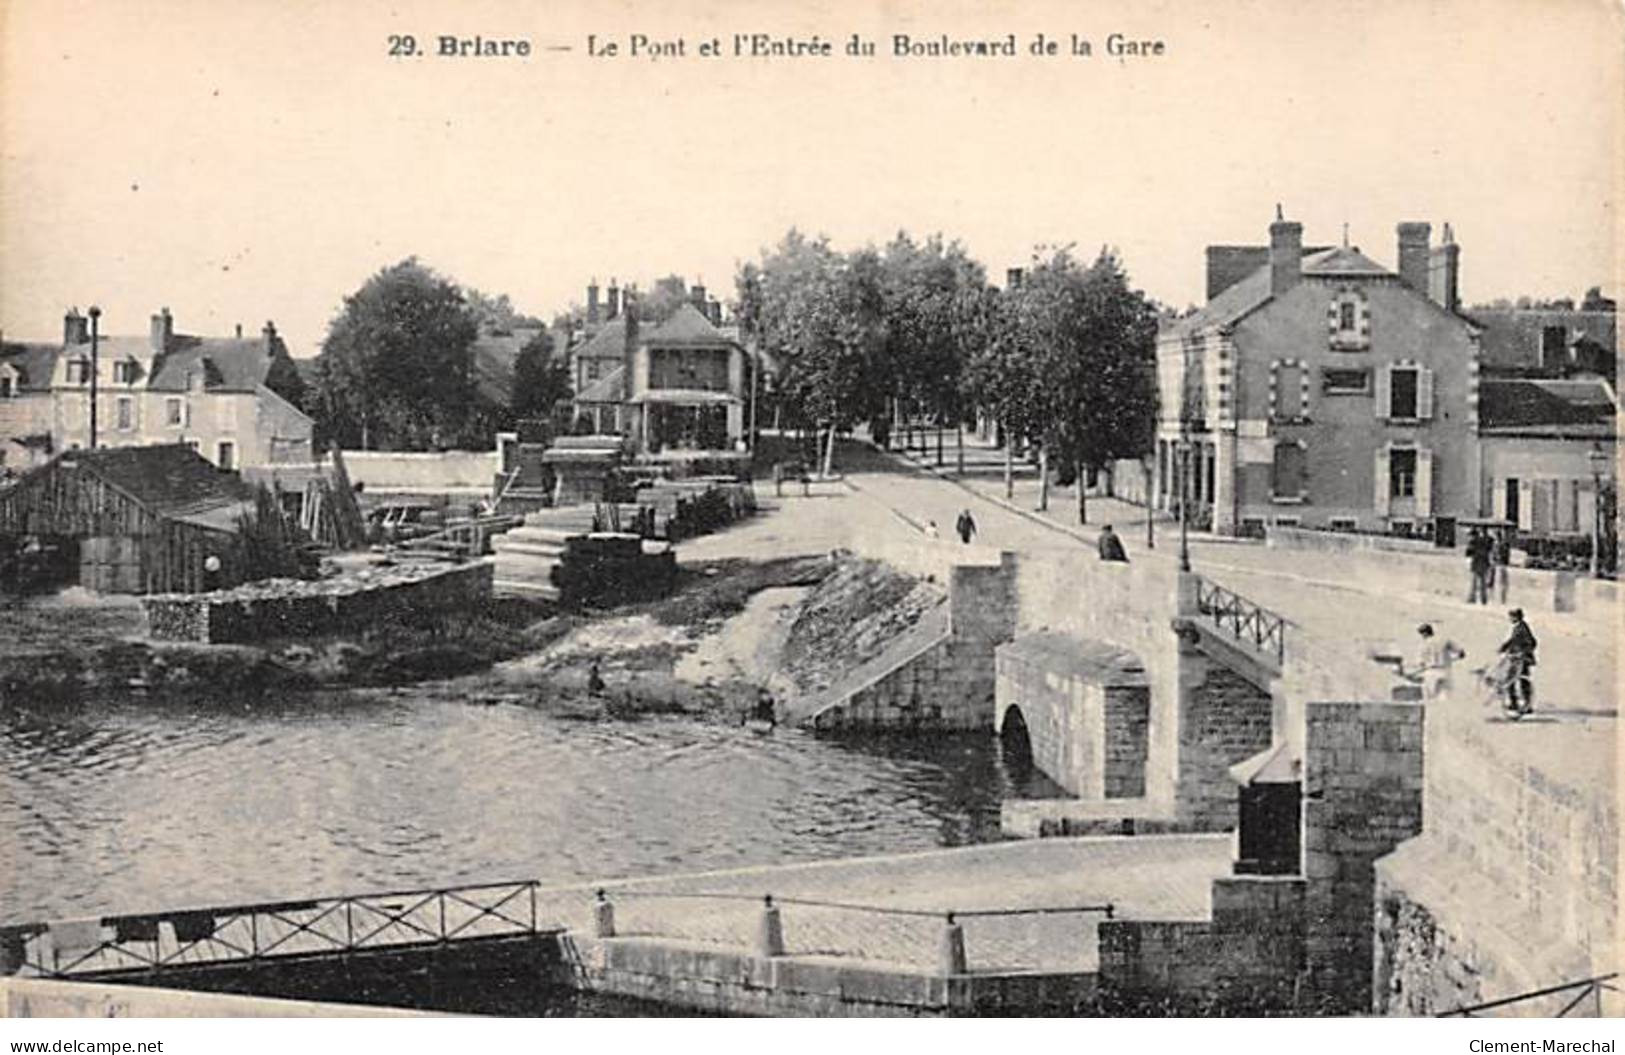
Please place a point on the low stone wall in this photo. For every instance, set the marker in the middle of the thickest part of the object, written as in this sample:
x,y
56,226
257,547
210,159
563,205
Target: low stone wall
x,y
1413,566
723,981
45,998
1525,823
419,472
299,609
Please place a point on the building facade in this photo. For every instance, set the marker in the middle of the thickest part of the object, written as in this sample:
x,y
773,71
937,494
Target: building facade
x,y
1317,388
217,396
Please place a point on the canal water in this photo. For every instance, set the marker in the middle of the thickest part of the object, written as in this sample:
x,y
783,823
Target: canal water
x,y
126,806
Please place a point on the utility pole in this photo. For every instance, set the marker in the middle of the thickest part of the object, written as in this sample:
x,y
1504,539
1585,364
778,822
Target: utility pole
x,y
95,367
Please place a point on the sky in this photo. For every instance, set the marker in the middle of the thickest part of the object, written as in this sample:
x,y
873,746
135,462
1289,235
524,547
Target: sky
x,y
260,159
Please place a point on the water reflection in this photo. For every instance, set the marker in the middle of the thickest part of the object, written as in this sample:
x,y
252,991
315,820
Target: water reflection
x,y
117,805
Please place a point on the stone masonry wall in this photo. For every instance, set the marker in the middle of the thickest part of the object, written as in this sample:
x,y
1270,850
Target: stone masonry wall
x,y
1363,789
1128,719
1225,719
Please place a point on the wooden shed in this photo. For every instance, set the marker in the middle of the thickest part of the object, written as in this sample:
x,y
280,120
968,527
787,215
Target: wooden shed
x,y
131,519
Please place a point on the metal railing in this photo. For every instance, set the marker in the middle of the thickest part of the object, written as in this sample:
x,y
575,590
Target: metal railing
x,y
772,925
1246,621
1582,989
244,933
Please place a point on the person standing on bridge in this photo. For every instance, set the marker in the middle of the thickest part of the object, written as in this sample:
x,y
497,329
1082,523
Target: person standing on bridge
x,y
931,531
1433,662
1519,648
966,526
1111,547
1479,550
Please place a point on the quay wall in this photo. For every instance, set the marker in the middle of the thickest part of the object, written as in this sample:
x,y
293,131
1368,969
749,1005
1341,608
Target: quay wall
x,y
256,613
1513,884
49,998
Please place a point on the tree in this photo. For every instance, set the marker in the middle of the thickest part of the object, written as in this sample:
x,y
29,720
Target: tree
x,y
1595,301
1093,341
539,383
497,314
395,368
820,316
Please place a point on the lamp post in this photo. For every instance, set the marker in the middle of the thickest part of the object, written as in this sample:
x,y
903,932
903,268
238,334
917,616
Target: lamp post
x,y
1598,458
1151,499
1184,503
95,367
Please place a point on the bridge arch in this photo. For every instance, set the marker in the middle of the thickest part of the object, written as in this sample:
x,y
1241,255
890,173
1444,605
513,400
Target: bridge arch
x,y
1014,738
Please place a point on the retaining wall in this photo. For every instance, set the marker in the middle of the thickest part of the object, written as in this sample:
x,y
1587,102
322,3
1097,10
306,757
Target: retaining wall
x,y
45,998
420,472
308,608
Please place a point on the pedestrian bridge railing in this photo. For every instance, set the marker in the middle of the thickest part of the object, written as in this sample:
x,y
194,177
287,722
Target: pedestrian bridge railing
x,y
772,925
245,933
1574,995
1247,622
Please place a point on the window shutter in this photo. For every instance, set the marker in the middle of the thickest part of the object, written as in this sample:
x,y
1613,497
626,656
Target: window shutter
x,y
1384,393
1332,320
1526,504
1380,491
1498,499
1424,393
1424,482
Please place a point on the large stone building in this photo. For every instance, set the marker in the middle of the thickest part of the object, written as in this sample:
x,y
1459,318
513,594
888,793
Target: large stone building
x,y
218,396
1319,389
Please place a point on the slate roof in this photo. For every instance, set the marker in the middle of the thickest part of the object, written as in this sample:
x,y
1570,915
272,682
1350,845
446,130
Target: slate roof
x,y
228,364
1559,408
686,325
1342,260
34,362
606,389
608,342
1511,338
170,479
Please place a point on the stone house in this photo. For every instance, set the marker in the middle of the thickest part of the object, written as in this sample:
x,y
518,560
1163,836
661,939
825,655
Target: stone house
x,y
1318,388
217,395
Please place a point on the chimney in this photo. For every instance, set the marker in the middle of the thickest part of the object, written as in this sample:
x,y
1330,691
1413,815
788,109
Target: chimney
x,y
614,299
1444,267
1012,278
163,328
1286,254
75,328
713,311
696,297
1413,254
592,301
239,331
269,333
629,348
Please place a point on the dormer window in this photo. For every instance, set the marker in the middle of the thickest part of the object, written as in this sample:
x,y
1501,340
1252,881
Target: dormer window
x,y
194,381
124,372
79,371
1348,321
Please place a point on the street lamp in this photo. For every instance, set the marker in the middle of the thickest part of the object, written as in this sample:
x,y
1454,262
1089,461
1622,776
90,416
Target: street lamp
x,y
1599,459
95,367
1184,503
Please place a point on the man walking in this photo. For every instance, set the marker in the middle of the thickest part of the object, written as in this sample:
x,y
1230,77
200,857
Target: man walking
x,y
966,527
1503,557
1478,563
1519,648
1111,547
1433,662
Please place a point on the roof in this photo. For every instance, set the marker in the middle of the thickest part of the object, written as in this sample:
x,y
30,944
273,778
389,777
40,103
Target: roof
x,y
235,364
1581,407
171,479
1273,765
686,325
33,363
686,396
606,389
1342,260
1511,337
610,340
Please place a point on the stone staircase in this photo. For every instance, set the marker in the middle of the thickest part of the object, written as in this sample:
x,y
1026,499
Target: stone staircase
x,y
525,556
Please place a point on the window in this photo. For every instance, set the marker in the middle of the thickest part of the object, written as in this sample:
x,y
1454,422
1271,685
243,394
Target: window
x,y
1348,321
592,369
1553,347
1402,473
124,372
8,388
1288,390
1403,383
1347,316
175,412
1402,528
78,371
1344,524
1252,527
125,413
703,369
1345,382
1291,472
1288,522
226,453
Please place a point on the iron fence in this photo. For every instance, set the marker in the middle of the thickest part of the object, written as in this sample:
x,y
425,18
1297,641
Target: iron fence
x,y
238,933
1246,621
1574,994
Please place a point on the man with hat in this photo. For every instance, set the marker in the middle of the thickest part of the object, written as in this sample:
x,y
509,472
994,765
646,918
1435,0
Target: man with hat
x,y
1519,648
